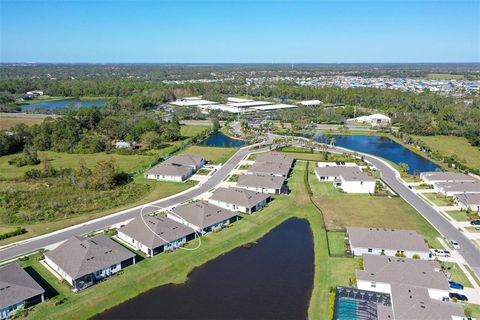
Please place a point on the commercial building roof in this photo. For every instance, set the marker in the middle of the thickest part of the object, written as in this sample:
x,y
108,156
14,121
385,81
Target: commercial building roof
x,y
203,214
275,157
420,273
16,285
447,176
348,173
242,197
272,168
260,181
155,231
185,160
79,256
174,170
278,106
469,198
462,187
191,102
414,303
310,102
236,100
249,104
388,239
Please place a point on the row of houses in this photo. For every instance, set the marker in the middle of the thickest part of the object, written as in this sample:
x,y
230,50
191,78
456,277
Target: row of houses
x,y
347,176
464,188
177,168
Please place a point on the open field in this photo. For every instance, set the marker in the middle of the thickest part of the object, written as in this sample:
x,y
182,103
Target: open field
x,y
445,76
192,130
449,145
7,122
174,268
212,154
345,210
458,215
336,242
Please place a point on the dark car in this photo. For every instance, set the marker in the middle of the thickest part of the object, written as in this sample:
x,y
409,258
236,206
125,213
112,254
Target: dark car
x,y
475,222
455,285
458,296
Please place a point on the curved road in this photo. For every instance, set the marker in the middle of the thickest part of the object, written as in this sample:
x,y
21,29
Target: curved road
x,y
34,244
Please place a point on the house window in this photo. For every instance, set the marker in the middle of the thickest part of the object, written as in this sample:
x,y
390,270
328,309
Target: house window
x,y
373,284
370,250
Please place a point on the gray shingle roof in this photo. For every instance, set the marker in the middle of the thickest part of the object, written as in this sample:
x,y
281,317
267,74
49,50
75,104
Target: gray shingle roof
x,y
79,256
185,160
347,173
164,228
275,157
458,186
165,169
16,285
414,303
420,273
388,239
260,181
469,198
269,168
203,214
447,176
242,197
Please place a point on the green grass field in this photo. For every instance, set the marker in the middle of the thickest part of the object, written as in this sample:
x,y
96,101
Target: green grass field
x,y
351,210
7,122
439,200
445,76
458,215
449,145
336,242
212,154
190,131
174,268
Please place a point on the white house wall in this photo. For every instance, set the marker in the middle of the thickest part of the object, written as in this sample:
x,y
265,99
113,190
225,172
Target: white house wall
x,y
358,186
358,251
59,271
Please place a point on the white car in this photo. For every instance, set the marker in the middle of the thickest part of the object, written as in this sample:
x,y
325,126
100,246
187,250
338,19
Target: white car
x,y
440,253
454,244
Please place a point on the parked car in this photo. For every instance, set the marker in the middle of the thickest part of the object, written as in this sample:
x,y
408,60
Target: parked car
x,y
458,296
455,285
475,222
454,244
440,253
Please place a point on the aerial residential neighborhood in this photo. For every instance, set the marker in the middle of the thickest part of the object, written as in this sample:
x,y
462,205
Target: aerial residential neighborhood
x,y
240,160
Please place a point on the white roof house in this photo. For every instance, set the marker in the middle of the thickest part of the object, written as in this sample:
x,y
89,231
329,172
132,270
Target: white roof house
x,y
310,103
374,119
350,179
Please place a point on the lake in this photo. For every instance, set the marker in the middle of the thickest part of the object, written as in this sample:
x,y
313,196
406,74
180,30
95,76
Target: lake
x,y
221,140
273,279
385,148
58,104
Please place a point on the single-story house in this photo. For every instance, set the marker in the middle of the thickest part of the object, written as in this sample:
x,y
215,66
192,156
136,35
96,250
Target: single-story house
x,y
310,103
381,272
453,188
202,216
275,157
122,145
389,242
374,305
349,178
18,290
468,201
270,168
170,172
155,234
83,261
410,302
262,183
238,199
434,176
187,160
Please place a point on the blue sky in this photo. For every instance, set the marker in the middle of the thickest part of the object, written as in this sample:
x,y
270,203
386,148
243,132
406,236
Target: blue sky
x,y
240,31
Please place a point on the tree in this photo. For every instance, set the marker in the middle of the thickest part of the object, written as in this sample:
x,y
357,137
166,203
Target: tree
x,y
103,175
216,124
403,167
82,173
152,140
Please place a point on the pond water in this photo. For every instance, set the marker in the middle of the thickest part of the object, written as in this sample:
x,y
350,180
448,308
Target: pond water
x,y
385,148
221,140
273,279
58,104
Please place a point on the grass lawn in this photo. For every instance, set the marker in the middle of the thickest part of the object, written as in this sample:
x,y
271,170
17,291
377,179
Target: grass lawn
x,y
212,154
471,310
203,172
445,76
7,122
449,145
345,210
190,131
457,274
439,200
458,215
174,268
336,243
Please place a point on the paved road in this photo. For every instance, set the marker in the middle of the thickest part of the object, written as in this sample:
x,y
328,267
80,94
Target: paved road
x,y
44,241
468,249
